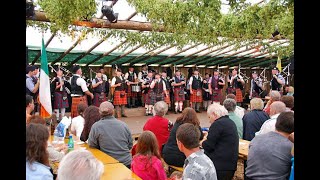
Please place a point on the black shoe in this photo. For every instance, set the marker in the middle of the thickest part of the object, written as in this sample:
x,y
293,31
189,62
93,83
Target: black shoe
x,y
198,111
150,114
123,115
147,114
133,106
176,112
180,111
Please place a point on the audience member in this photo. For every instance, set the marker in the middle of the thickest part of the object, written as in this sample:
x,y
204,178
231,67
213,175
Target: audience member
x,y
170,151
37,156
80,165
230,105
197,165
222,142
146,163
288,101
29,108
276,108
274,96
290,91
175,175
253,120
77,123
111,136
239,111
91,115
269,154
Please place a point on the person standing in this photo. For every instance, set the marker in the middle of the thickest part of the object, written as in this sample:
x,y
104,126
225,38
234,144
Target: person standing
x,y
216,84
195,84
99,89
277,80
178,89
206,92
237,84
132,81
32,87
142,75
79,90
60,94
256,86
119,95
146,90
158,90
168,92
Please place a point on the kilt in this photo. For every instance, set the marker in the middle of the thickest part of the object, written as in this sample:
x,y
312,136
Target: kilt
x,y
255,95
206,96
167,98
130,93
147,98
97,101
216,95
59,102
177,97
117,100
153,97
239,96
194,97
74,106
230,90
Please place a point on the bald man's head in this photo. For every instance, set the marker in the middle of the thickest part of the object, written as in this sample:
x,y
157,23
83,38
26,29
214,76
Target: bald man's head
x,y
277,107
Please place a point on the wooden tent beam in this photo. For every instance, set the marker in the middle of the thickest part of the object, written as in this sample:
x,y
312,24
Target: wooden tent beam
x,y
122,55
67,51
107,53
104,23
154,54
46,45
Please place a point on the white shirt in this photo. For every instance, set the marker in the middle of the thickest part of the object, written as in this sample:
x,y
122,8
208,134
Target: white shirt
x,y
191,79
77,125
163,84
80,82
140,76
126,76
268,125
239,111
104,77
94,81
113,82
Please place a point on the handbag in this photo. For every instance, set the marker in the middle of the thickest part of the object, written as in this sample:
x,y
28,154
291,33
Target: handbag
x,y
122,94
198,93
181,92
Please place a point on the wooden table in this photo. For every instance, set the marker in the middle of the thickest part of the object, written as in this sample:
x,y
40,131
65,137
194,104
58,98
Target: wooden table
x,y
118,171
243,149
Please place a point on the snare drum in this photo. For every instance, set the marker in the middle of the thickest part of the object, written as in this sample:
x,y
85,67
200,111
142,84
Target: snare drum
x,y
135,88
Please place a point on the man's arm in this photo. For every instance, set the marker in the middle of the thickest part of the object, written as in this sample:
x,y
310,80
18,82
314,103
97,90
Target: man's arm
x,y
190,83
93,140
213,135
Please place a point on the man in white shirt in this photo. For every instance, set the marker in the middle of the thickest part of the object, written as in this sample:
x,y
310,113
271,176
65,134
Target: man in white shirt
x,y
132,81
195,84
79,90
119,95
276,108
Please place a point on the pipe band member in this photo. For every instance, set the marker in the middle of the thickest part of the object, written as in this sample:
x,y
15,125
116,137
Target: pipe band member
x,y
119,96
216,84
195,83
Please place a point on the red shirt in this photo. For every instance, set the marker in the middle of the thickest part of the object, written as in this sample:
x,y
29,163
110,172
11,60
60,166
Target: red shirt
x,y
160,127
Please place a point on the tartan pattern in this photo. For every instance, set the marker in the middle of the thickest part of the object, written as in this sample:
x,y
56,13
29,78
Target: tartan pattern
x,y
167,98
147,98
239,96
194,97
153,97
75,102
117,100
130,93
176,95
230,90
58,100
96,101
216,95
255,95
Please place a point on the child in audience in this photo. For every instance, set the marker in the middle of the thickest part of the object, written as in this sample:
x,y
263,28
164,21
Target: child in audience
x,y
176,175
146,163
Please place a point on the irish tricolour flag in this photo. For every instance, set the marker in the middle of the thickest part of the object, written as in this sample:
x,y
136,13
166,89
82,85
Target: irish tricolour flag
x,y
44,89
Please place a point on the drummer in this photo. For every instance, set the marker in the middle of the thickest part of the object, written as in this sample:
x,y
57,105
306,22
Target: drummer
x,y
132,82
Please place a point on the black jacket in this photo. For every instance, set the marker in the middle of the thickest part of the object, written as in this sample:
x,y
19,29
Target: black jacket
x,y
222,144
252,122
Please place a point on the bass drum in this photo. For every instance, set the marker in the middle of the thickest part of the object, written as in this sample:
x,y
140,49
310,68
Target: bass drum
x,y
135,88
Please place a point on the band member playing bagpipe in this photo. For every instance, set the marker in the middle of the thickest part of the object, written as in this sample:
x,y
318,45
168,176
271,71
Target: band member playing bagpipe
x,y
158,90
79,90
60,95
256,86
277,80
178,84
168,92
195,83
142,75
32,87
99,88
237,83
216,84
146,90
119,96
206,91
132,90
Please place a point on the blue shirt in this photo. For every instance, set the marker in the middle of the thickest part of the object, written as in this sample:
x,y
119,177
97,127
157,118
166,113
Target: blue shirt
x,y
29,83
38,171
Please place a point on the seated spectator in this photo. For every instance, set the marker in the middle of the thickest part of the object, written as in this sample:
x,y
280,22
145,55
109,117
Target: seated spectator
x,y
77,122
197,165
269,154
274,96
276,108
170,151
288,101
29,108
290,91
37,156
239,111
80,165
230,105
222,142
91,115
37,120
111,136
175,175
253,120
146,163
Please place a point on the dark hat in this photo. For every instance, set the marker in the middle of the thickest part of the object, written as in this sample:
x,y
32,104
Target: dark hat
x,y
75,68
164,71
36,66
254,72
275,68
216,70
178,70
131,66
119,70
145,65
101,67
30,68
151,71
